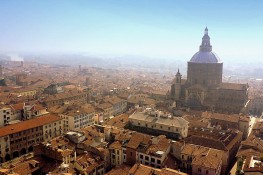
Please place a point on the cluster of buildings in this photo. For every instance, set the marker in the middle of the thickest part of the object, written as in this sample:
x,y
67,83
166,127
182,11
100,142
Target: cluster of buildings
x,y
110,148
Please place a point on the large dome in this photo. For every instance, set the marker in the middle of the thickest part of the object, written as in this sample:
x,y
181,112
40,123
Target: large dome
x,y
205,54
205,57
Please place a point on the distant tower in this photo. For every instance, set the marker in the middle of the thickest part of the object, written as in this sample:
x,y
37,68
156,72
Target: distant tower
x,y
87,82
79,68
1,71
177,85
22,63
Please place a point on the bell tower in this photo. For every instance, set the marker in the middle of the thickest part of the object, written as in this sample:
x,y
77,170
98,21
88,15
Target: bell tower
x,y
177,85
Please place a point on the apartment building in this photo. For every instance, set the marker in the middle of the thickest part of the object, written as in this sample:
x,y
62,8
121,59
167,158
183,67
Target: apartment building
x,y
89,164
227,141
134,147
25,92
199,160
107,109
77,117
119,105
66,97
155,153
231,121
118,155
158,123
7,114
18,139
56,149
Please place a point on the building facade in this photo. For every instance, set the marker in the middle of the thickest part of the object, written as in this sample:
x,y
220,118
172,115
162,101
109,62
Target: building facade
x,y
78,118
204,88
119,105
7,114
66,97
107,110
18,139
158,123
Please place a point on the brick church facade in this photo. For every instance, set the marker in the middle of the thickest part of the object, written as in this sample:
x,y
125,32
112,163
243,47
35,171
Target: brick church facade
x,y
204,88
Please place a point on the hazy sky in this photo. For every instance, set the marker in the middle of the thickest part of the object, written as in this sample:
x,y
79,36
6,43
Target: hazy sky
x,y
154,28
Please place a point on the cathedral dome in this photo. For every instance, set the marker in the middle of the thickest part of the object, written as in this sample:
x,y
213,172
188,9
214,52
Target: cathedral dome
x,y
205,57
205,54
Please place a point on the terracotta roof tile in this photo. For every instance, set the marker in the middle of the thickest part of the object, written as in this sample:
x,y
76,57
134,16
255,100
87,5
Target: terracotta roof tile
x,y
28,124
138,138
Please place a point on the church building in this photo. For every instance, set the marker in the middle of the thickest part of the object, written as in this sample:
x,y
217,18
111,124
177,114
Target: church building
x,y
203,88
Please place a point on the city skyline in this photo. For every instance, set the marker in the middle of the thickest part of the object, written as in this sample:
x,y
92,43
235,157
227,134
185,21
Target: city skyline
x,y
158,29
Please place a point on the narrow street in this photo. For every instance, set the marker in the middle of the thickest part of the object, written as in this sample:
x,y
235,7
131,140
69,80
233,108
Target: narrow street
x,y
252,122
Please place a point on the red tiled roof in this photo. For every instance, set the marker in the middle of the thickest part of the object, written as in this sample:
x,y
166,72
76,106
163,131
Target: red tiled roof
x,y
28,124
18,106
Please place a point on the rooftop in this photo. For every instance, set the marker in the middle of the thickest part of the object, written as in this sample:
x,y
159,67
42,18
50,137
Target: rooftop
x,y
159,118
28,124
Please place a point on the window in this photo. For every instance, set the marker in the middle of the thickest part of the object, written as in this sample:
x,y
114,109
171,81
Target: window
x,y
152,160
158,161
146,158
199,170
141,156
206,171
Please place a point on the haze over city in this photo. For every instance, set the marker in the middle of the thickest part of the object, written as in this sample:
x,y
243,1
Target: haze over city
x,y
158,29
138,87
